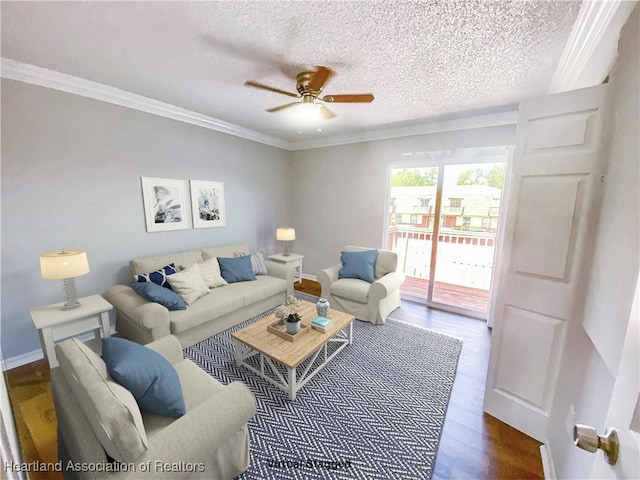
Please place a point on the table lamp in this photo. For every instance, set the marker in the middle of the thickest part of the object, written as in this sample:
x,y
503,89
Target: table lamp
x,y
65,265
285,234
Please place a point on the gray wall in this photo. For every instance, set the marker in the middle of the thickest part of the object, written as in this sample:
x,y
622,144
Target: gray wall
x,y
71,171
340,193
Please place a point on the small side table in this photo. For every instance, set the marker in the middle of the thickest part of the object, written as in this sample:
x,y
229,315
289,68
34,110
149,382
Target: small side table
x,y
292,258
53,323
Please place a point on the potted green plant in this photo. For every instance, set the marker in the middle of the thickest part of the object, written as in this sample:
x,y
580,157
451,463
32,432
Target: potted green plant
x,y
293,323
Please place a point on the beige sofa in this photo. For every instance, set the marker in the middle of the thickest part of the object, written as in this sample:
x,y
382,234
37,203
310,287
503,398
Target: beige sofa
x,y
223,307
99,417
371,302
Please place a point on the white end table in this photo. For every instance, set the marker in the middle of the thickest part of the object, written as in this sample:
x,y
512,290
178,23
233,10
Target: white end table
x,y
292,258
53,323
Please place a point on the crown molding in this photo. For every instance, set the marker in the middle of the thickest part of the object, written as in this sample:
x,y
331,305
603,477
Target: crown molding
x,y
476,121
592,46
27,73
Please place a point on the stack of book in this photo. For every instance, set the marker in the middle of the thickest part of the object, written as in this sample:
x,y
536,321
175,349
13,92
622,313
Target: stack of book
x,y
322,324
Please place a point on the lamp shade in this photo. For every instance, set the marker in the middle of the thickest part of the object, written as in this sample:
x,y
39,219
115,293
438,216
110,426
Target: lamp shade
x,y
64,264
285,234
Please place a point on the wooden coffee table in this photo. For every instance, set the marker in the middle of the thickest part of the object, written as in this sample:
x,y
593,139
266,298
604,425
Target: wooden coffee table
x,y
279,357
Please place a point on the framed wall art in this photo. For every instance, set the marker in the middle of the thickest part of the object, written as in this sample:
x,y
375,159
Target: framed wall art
x,y
207,204
165,203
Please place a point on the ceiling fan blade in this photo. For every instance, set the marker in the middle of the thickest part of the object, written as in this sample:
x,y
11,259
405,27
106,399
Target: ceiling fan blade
x,y
354,98
270,89
326,113
282,107
322,76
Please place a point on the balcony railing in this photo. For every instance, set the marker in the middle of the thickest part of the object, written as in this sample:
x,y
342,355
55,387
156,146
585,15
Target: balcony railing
x,y
420,209
447,210
412,231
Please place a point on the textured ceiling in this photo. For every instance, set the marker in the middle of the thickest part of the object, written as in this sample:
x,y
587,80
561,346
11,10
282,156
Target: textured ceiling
x,y
421,59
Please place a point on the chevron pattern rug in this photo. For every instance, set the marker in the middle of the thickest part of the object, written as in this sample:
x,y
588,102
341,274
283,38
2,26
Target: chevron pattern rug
x,y
375,412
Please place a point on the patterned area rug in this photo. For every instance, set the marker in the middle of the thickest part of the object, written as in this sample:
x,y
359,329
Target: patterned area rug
x,y
375,412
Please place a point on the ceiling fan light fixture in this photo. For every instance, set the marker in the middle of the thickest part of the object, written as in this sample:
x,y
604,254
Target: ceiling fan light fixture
x,y
308,112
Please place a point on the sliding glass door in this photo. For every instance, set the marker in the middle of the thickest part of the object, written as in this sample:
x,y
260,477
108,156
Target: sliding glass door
x,y
443,220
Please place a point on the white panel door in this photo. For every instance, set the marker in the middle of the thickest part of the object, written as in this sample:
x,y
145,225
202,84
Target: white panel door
x,y
624,409
557,152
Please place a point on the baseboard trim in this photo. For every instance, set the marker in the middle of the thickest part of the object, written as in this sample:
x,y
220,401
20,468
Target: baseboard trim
x,y
310,277
547,463
20,360
35,355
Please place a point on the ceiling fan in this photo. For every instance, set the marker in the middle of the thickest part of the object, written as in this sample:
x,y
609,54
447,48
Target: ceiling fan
x,y
309,86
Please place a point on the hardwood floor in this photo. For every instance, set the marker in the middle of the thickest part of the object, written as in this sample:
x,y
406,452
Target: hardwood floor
x,y
474,445
308,286
29,389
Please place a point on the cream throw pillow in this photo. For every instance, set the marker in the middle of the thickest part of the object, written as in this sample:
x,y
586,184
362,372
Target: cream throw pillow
x,y
210,272
188,284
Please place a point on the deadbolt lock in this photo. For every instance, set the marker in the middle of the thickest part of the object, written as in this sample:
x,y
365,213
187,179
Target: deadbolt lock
x,y
587,438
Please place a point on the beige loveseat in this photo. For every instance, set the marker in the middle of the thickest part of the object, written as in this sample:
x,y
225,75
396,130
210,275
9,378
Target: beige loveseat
x,y
371,302
223,307
102,434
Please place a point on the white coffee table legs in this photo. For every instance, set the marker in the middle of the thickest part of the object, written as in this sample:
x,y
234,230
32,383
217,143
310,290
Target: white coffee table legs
x,y
296,377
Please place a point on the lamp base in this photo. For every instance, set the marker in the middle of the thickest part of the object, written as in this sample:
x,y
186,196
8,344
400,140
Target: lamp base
x,y
71,306
70,294
286,249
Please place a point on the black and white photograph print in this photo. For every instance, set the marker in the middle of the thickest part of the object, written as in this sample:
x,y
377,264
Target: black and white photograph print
x,y
165,204
207,204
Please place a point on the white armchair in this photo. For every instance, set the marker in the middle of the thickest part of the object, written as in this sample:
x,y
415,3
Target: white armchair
x,y
371,302
98,418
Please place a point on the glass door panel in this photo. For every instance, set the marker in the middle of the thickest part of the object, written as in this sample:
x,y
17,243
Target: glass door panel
x,y
410,225
468,224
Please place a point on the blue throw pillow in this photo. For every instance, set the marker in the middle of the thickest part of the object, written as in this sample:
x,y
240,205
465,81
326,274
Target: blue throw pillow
x,y
158,277
156,293
358,265
236,269
149,377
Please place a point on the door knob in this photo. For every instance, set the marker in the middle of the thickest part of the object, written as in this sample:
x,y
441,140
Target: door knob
x,y
587,438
